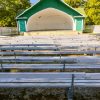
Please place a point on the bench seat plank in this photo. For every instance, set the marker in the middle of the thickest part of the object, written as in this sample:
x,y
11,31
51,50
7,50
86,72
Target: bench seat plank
x,y
80,59
35,53
9,45
28,48
50,66
40,75
43,85
48,79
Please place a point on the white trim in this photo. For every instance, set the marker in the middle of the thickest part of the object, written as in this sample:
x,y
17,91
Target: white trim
x,y
74,29
71,18
82,24
18,25
54,9
22,18
25,25
80,16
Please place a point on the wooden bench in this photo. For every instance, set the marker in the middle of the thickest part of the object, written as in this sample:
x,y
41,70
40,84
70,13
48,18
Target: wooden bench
x,y
7,45
46,53
49,66
49,79
49,59
28,48
49,47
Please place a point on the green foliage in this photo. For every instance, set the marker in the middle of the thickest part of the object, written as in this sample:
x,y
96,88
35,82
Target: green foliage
x,y
92,9
73,3
9,10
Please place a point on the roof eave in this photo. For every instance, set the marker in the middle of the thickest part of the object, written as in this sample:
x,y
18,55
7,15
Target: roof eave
x,y
79,16
21,18
72,8
26,10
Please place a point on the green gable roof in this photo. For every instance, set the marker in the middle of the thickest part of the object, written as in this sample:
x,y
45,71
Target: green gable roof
x,y
44,4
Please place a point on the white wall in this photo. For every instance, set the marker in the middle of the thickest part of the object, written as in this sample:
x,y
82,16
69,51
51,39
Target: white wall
x,y
50,19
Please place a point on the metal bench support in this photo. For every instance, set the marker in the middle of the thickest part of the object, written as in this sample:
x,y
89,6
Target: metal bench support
x,y
2,67
71,89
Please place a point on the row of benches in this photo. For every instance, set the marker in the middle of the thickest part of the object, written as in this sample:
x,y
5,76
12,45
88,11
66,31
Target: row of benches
x,y
20,57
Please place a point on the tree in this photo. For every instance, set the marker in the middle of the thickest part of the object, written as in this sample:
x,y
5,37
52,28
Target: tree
x,y
92,9
74,3
9,9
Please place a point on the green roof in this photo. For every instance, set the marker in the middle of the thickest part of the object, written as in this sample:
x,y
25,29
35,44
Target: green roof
x,y
56,4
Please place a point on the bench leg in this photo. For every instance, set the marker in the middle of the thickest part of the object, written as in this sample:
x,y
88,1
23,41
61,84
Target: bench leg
x,y
71,89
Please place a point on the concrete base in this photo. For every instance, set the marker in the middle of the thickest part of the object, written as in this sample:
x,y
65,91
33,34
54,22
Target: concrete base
x,y
51,33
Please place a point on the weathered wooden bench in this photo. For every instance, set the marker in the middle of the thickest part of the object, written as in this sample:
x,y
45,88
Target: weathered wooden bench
x,y
49,59
53,47
46,53
49,79
49,66
7,45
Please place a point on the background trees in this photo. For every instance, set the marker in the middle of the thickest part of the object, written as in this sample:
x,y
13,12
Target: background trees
x,y
73,3
92,9
9,10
